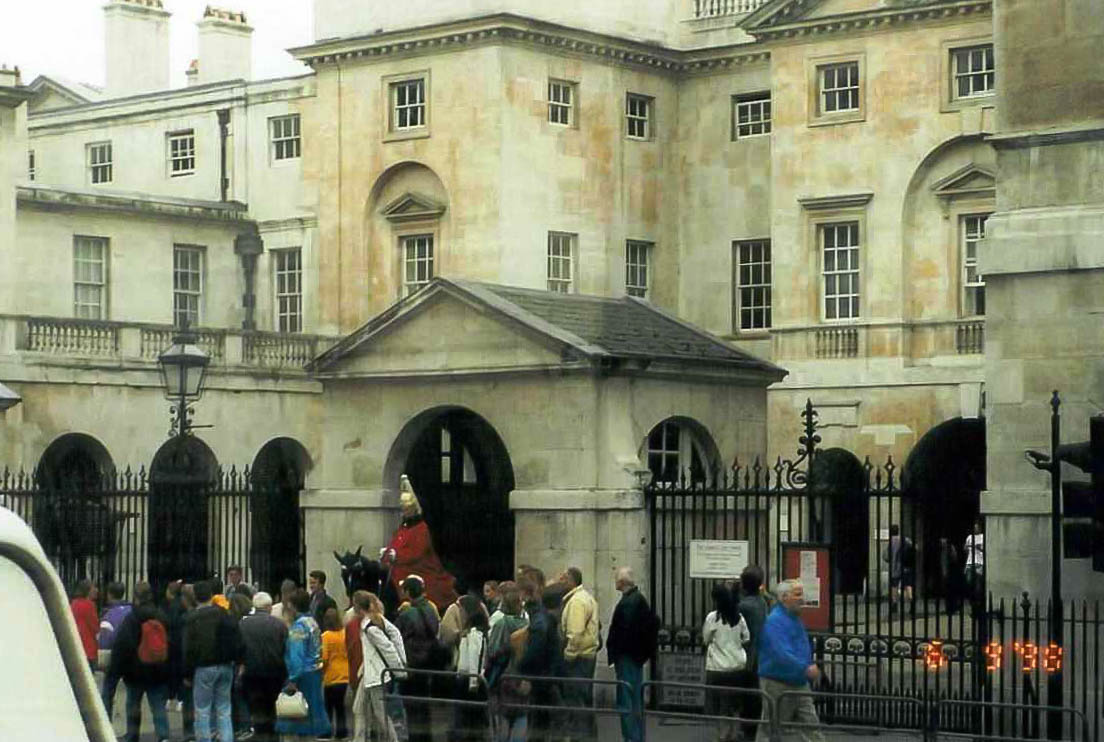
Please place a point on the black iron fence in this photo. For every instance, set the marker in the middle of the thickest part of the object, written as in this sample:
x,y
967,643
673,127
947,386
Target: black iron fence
x,y
126,528
900,616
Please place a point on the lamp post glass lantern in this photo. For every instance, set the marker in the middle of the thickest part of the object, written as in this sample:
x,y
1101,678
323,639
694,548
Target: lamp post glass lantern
x,y
183,369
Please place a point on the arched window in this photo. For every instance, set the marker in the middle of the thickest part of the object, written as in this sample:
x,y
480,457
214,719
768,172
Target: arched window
x,y
677,447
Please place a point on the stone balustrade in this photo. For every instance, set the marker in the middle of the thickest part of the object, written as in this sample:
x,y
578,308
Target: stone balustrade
x,y
719,8
970,337
77,339
919,341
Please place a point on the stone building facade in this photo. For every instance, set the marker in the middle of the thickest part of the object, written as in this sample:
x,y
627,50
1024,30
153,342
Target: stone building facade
x,y
807,180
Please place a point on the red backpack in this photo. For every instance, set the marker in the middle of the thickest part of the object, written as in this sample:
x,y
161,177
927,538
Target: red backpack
x,y
153,649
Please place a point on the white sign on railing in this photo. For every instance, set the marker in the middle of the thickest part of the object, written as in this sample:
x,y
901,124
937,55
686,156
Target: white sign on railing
x,y
718,560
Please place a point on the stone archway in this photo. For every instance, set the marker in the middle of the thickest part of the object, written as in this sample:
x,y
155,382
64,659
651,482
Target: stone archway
x,y
943,477
837,482
461,471
182,473
77,525
276,550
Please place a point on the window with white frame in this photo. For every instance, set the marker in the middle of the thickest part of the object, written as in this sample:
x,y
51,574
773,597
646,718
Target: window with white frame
x,y
753,284
187,285
99,162
457,464
30,164
972,230
417,256
840,269
637,255
287,269
752,115
974,71
90,277
674,451
839,87
284,133
561,102
408,104
638,116
560,253
181,146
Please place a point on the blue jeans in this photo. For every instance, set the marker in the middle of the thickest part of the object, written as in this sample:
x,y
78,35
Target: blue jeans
x,y
581,725
155,697
628,701
110,683
212,694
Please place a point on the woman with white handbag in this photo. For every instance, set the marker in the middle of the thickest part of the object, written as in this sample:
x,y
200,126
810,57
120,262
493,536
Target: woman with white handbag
x,y
382,647
303,658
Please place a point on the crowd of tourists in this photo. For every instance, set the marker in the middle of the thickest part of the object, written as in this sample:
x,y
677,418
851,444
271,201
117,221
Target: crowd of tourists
x,y
238,664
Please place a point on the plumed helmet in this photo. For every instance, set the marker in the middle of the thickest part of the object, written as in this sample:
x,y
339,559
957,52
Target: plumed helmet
x,y
407,498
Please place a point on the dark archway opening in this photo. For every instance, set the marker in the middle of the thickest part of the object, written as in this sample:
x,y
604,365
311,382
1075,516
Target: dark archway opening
x,y
461,472
182,475
837,483
944,476
76,525
276,526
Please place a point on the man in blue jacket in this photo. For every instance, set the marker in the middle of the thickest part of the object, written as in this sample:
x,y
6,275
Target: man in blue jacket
x,y
786,664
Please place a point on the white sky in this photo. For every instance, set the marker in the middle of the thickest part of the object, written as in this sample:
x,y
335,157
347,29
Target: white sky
x,y
65,37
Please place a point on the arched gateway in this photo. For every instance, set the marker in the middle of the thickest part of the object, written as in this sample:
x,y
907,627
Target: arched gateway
x,y
462,473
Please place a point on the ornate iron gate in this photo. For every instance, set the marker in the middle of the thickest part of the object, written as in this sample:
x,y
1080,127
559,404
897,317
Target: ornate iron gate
x,y
128,529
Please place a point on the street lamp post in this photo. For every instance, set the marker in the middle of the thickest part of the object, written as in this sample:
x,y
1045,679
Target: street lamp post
x,y
183,370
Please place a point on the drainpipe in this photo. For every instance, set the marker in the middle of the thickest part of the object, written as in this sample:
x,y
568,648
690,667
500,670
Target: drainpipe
x,y
247,246
224,132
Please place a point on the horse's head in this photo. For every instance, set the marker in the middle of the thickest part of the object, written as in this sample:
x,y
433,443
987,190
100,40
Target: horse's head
x,y
359,572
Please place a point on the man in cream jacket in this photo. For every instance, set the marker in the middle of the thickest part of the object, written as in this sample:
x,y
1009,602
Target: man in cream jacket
x,y
580,631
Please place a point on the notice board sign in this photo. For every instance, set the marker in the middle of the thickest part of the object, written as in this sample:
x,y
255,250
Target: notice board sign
x,y
812,565
682,667
718,560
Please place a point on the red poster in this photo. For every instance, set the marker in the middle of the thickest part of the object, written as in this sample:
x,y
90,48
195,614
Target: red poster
x,y
812,565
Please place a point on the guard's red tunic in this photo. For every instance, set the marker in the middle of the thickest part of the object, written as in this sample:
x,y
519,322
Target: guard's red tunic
x,y
414,554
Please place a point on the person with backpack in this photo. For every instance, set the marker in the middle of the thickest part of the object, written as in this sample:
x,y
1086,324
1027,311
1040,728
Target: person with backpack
x,y
419,624
140,656
116,610
632,642
505,647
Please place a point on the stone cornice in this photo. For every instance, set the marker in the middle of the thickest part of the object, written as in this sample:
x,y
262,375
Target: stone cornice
x,y
1045,138
508,28
498,28
869,20
55,199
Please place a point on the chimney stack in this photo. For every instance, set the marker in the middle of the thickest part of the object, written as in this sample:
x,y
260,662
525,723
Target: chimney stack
x,y
192,73
136,37
225,46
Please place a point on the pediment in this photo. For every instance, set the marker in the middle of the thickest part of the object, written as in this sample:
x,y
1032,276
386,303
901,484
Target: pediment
x,y
446,335
969,180
411,207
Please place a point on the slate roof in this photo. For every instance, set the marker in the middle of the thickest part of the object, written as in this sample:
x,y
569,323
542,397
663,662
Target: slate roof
x,y
594,327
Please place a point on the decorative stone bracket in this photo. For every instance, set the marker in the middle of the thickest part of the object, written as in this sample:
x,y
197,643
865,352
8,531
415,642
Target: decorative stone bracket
x,y
247,246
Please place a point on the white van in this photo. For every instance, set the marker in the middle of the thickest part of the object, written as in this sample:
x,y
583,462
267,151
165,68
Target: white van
x,y
47,691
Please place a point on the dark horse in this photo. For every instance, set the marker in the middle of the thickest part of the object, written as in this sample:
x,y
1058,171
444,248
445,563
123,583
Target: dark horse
x,y
361,573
